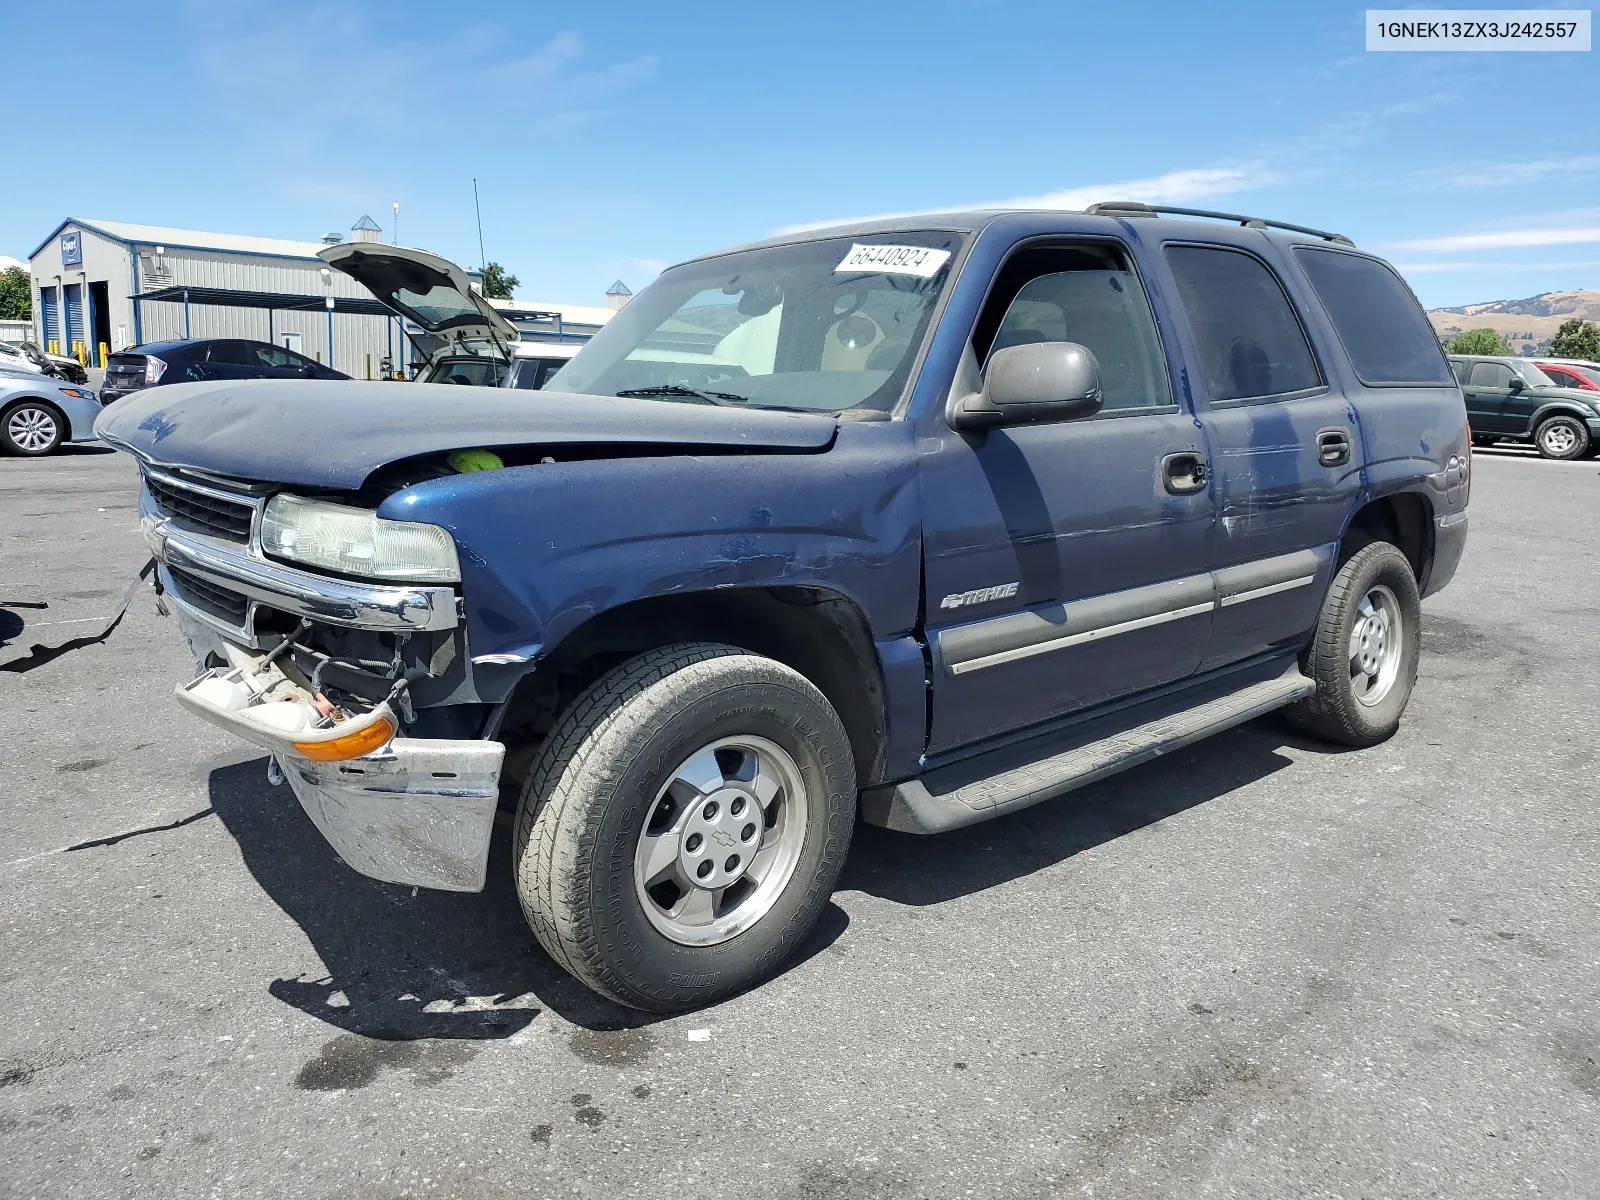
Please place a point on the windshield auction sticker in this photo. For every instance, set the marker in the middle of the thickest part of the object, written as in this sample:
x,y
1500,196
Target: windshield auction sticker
x,y
921,261
1477,29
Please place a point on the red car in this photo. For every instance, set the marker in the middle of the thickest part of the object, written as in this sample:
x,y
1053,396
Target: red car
x,y
1583,376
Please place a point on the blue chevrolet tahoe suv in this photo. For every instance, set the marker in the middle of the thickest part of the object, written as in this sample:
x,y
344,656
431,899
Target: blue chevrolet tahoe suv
x,y
916,522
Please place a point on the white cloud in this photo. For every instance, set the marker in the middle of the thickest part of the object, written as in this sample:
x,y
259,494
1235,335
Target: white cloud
x,y
1174,187
1171,187
1505,173
1505,239
1428,268
7,262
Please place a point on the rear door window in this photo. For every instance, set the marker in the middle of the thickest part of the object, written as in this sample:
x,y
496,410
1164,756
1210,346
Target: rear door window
x,y
1378,320
1249,338
1490,375
231,354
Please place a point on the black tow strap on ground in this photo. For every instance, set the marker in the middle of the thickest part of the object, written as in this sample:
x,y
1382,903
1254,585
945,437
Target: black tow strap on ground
x,y
39,655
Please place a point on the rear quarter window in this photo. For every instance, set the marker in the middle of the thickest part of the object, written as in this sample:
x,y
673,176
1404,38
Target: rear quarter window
x,y
1378,320
1249,338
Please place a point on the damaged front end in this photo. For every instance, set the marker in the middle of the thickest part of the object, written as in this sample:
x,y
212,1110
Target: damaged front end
x,y
362,691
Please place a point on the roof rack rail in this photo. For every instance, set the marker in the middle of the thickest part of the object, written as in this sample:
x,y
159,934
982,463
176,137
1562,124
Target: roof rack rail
x,y
1134,208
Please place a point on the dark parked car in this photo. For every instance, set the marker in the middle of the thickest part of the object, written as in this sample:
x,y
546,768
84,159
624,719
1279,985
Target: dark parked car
x,y
1512,400
917,522
205,358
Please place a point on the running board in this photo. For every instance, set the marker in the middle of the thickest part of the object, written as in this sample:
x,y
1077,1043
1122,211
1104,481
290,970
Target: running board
x,y
1017,776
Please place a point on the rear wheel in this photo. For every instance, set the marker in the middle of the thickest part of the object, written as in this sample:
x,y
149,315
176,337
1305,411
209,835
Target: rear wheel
x,y
1562,437
1483,440
684,825
1363,657
31,428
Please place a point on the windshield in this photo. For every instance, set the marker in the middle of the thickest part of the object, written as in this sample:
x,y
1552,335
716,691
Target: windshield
x,y
815,326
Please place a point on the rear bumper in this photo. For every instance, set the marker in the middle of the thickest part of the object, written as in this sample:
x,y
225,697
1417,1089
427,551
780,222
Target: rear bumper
x,y
419,811
1449,540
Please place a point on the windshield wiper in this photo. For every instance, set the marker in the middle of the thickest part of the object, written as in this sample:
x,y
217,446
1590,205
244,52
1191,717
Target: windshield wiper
x,y
678,389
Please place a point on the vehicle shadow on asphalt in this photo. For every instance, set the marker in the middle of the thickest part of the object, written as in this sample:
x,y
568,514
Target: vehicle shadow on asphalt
x,y
404,966
11,624
920,870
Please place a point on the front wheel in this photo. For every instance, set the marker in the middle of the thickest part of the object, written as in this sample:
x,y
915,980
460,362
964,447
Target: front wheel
x,y
1562,437
684,825
1363,656
31,429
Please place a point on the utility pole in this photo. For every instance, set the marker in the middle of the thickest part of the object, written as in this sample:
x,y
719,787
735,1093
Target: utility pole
x,y
397,222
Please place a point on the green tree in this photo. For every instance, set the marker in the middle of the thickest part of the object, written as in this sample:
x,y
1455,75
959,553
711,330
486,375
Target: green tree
x,y
16,295
1577,338
1477,341
497,285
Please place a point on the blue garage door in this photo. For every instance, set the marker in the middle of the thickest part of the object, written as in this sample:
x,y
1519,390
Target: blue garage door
x,y
47,307
74,298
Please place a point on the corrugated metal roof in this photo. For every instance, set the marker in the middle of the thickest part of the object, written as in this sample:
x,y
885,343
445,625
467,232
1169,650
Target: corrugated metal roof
x,y
237,243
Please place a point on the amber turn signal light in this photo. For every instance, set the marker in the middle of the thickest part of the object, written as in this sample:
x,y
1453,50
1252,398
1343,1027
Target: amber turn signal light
x,y
351,745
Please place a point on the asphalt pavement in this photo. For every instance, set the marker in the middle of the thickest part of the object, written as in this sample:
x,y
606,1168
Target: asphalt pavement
x,y
1258,968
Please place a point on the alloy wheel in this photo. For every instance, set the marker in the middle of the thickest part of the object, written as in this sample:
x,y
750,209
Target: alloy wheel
x,y
1558,438
32,429
721,840
1376,646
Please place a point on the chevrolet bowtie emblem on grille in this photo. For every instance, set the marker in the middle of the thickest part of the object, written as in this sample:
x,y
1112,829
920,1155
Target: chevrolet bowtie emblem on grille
x,y
1002,591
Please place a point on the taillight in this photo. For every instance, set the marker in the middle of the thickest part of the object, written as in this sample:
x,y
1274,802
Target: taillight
x,y
153,368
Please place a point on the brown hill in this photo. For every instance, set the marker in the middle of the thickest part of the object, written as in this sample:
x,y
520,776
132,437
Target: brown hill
x,y
1529,321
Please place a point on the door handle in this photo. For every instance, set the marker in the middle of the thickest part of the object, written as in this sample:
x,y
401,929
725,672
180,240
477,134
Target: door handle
x,y
1183,472
1333,447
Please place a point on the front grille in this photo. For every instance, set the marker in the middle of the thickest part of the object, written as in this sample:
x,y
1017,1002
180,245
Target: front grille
x,y
200,512
208,597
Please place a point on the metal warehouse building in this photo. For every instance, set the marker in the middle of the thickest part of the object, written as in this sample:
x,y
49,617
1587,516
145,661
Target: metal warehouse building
x,y
102,286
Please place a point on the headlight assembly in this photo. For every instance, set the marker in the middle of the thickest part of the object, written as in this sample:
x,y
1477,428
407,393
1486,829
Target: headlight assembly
x,y
353,541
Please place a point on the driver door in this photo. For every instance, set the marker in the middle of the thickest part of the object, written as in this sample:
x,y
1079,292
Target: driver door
x,y
1067,563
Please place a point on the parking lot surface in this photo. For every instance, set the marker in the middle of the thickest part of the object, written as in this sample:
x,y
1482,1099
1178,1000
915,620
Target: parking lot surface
x,y
1260,967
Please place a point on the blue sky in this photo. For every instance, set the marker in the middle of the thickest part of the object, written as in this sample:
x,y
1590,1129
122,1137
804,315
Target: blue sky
x,y
610,140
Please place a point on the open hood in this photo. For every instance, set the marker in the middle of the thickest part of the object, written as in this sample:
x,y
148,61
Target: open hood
x,y
421,287
335,433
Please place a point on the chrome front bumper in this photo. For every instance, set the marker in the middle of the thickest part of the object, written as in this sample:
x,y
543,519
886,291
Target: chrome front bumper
x,y
419,811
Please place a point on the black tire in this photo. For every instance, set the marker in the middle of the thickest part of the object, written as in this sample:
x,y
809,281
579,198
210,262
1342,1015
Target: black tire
x,y
1484,440
595,783
24,422
1334,712
1561,437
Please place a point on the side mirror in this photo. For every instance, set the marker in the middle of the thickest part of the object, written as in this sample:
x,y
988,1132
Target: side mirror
x,y
1042,381
1516,384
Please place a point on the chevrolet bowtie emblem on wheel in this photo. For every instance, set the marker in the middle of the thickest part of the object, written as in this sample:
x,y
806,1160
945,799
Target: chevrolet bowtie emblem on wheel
x,y
1002,591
